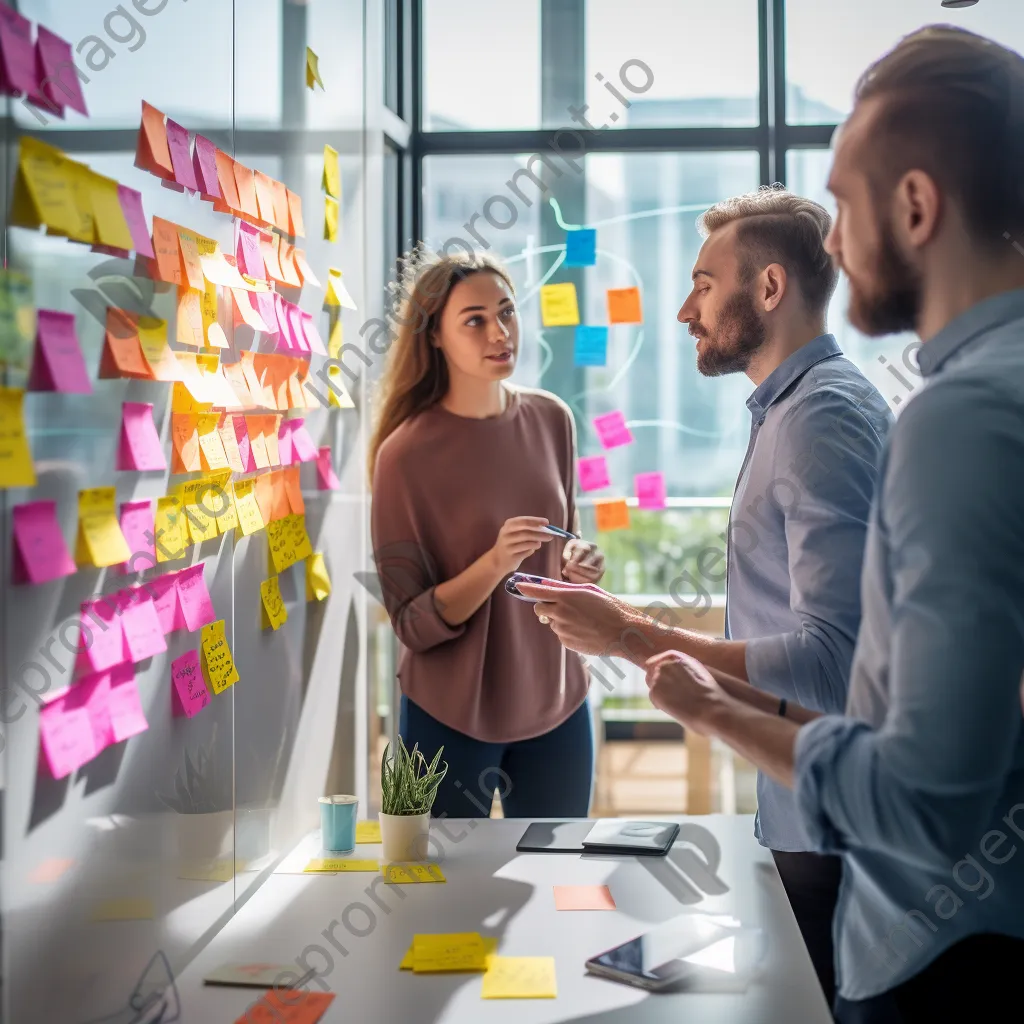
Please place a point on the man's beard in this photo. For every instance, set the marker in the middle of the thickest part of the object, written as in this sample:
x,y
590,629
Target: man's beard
x,y
894,303
731,346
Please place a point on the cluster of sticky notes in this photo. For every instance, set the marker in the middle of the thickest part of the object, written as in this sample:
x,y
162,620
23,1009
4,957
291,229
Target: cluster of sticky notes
x,y
74,202
261,256
166,149
613,432
77,724
331,183
37,71
288,1006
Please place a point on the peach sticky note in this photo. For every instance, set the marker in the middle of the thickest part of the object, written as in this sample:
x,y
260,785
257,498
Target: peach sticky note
x,y
185,441
650,490
58,364
612,514
188,684
16,468
624,306
226,180
558,306
152,153
40,553
296,227
583,897
593,472
245,179
168,266
274,613
140,443
612,430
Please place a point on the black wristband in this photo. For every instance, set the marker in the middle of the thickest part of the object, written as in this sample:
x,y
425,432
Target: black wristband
x,y
782,707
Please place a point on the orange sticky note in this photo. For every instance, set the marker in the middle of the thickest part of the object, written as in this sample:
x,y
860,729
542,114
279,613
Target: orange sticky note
x,y
152,153
245,179
280,205
168,265
185,442
257,443
282,506
291,1006
271,428
158,354
583,897
122,353
271,259
226,180
293,490
189,245
612,514
264,491
304,269
264,196
230,442
624,306
296,228
288,268
236,378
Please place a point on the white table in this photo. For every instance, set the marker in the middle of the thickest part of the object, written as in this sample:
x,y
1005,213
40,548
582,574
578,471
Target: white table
x,y
715,866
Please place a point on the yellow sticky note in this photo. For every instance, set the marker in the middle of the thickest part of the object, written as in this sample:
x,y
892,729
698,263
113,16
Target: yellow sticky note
x,y
336,337
158,354
330,865
43,190
406,874
207,871
460,951
169,529
201,524
367,831
111,227
216,495
332,173
330,219
246,507
612,514
218,665
282,548
100,540
208,308
519,977
274,613
336,293
210,443
124,910
313,69
558,307
15,458
318,587
490,948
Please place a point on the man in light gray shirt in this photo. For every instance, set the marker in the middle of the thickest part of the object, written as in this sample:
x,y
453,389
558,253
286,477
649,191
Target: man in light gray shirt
x,y
761,287
920,786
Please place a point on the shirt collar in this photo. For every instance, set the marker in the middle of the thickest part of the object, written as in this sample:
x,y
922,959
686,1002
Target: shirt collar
x,y
792,369
982,317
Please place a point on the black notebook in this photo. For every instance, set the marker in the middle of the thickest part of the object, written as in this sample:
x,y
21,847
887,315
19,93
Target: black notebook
x,y
608,835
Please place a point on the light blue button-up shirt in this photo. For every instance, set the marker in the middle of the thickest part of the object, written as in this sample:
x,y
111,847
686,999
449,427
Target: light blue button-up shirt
x,y
796,542
921,787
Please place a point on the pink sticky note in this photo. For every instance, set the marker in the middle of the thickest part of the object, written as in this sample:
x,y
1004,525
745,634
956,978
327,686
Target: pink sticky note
x,y
196,605
313,339
244,447
143,631
593,472
305,450
102,635
137,526
126,715
18,71
58,364
612,430
164,591
295,327
181,155
267,308
60,84
327,479
93,693
140,443
284,442
66,737
250,257
189,684
204,163
40,553
135,218
650,490
583,897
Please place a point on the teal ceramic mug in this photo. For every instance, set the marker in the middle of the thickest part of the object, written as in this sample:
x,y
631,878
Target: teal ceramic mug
x,y
338,816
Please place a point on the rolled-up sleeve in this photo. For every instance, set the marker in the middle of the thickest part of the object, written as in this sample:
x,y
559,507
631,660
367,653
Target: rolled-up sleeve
x,y
828,452
405,567
923,785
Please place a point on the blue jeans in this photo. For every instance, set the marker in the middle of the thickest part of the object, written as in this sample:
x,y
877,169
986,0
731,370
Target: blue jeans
x,y
549,776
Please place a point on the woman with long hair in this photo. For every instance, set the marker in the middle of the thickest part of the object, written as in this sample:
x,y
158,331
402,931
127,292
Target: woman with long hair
x,y
466,473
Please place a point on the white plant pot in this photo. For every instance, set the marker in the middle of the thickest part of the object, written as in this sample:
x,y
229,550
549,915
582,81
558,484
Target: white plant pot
x,y
404,837
204,836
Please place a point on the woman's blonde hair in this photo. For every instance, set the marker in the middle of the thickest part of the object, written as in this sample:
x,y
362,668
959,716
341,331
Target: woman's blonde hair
x,y
416,375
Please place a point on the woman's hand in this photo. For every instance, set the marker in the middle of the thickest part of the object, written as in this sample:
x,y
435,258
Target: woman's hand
x,y
518,538
583,562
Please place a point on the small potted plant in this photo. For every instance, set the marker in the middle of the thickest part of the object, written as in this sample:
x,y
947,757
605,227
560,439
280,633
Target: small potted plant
x,y
408,786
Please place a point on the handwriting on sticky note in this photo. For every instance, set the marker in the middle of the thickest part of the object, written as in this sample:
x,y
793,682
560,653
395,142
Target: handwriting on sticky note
x,y
274,611
490,943
291,1006
15,458
194,596
650,490
143,634
612,514
140,447
58,365
367,831
330,865
612,430
558,306
593,472
583,897
40,553
519,977
188,683
463,951
66,736
624,306
407,874
220,666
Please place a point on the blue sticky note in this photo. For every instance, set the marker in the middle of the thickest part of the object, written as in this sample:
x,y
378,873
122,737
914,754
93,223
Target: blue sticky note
x,y
581,248
591,347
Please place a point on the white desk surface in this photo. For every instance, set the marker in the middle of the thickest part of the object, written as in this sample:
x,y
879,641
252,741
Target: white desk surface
x,y
494,890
